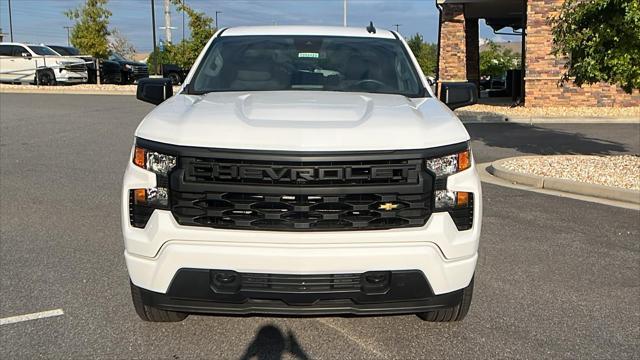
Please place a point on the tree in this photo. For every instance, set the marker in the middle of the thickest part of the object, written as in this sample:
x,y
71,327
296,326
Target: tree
x,y
496,60
119,44
425,53
184,54
601,40
91,28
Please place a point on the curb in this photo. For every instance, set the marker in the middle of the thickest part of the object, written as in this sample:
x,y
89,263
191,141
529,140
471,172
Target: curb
x,y
66,92
481,118
573,120
120,93
127,90
575,187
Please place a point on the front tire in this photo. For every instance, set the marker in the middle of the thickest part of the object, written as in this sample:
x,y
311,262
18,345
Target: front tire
x,y
455,313
150,313
175,78
46,77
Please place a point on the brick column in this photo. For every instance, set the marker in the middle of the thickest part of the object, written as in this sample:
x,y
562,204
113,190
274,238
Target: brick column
x,y
543,70
472,50
452,63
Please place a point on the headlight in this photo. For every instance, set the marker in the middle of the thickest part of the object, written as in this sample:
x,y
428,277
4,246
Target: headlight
x,y
156,162
128,67
450,164
446,199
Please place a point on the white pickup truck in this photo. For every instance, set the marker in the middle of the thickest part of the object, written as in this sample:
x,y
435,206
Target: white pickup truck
x,y
302,170
38,64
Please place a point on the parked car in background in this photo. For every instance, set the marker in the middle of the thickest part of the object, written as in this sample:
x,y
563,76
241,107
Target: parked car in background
x,y
110,71
131,71
26,63
175,73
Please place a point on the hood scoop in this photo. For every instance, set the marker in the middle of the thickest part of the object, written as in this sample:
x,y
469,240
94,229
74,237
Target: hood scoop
x,y
299,108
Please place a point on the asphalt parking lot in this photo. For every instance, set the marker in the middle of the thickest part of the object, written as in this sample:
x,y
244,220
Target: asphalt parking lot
x,y
557,278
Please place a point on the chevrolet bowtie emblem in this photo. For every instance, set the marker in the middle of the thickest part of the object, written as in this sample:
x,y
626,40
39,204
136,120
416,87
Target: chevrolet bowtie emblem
x,y
387,206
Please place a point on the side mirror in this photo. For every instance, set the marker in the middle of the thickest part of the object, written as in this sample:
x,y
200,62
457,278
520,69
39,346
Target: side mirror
x,y
458,94
153,90
26,55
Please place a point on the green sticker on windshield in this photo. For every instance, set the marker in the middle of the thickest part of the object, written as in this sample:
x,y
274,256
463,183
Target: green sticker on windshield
x,y
308,55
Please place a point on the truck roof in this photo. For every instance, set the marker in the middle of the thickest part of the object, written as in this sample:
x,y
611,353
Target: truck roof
x,y
308,31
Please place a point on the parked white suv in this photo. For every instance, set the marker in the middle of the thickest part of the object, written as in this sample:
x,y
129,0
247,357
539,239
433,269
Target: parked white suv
x,y
38,64
302,170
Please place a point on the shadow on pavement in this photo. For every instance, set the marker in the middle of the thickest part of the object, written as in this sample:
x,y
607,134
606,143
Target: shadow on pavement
x,y
270,344
541,140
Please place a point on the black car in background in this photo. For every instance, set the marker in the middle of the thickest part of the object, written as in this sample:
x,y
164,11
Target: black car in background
x,y
175,73
110,71
131,70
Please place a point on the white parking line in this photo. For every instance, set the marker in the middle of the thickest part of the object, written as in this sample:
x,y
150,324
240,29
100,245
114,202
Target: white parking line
x,y
34,316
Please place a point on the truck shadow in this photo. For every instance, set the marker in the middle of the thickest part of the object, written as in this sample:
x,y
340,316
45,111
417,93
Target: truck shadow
x,y
270,344
530,139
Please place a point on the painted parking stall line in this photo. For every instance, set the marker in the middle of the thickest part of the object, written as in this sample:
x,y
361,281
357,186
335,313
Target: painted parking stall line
x,y
33,316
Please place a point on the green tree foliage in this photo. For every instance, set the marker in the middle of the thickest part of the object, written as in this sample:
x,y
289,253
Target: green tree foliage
x,y
184,54
91,28
496,60
425,53
601,39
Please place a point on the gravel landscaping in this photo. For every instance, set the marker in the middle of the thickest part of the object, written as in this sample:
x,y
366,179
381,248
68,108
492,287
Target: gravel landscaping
x,y
621,171
550,112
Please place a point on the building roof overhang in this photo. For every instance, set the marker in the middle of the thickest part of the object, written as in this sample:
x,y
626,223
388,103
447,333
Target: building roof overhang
x,y
498,14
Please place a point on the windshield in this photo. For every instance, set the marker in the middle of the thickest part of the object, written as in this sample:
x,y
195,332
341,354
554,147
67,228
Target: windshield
x,y
68,51
42,50
116,57
269,63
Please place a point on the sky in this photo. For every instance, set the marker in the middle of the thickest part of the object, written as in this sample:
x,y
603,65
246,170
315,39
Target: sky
x,y
43,21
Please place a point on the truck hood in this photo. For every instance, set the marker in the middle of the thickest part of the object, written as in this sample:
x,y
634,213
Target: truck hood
x,y
303,121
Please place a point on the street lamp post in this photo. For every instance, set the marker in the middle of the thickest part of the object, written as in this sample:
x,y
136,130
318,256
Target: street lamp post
x,y
344,13
68,35
217,12
153,26
10,22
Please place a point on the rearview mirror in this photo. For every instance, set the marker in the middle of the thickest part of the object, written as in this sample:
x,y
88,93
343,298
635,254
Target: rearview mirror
x,y
458,94
154,90
26,55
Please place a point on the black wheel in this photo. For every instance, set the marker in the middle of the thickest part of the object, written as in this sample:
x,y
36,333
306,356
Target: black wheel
x,y
456,313
151,314
46,77
175,78
124,78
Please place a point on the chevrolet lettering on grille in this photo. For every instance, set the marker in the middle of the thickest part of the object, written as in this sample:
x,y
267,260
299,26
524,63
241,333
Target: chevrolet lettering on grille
x,y
224,172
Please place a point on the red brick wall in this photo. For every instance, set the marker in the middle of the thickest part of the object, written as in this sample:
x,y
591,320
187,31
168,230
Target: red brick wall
x,y
543,70
452,61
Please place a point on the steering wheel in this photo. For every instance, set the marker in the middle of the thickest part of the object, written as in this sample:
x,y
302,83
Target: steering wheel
x,y
368,82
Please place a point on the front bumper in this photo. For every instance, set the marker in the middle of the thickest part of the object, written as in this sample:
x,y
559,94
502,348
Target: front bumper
x,y
155,254
397,292
70,77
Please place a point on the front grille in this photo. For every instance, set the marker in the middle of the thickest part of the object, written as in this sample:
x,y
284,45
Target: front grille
x,y
140,70
307,173
300,212
76,67
300,283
